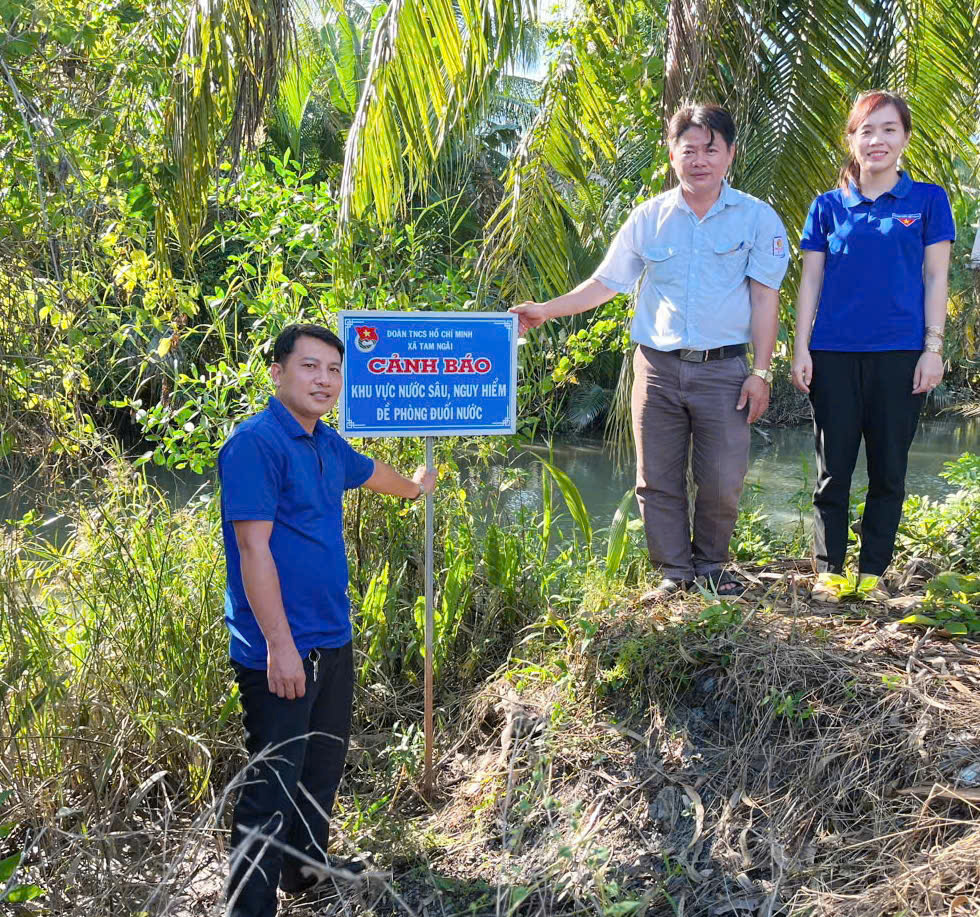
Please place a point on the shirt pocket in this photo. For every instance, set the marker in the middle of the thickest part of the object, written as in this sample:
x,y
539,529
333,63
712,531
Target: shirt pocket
x,y
731,258
663,264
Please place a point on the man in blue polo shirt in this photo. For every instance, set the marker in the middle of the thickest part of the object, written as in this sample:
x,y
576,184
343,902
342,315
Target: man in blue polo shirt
x,y
283,475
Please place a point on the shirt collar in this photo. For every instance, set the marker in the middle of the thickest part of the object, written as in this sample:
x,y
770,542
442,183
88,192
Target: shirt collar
x,y
726,198
289,423
853,197
903,186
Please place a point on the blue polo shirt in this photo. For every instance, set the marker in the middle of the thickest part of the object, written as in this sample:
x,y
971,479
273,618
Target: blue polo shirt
x,y
271,469
873,295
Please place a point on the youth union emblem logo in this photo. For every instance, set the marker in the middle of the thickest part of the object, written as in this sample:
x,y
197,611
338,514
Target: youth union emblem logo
x,y
367,338
907,219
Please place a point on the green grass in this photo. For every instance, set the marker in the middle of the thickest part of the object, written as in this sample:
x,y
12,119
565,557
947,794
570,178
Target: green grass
x,y
119,714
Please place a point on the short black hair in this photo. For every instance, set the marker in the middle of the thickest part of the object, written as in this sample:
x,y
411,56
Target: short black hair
x,y
711,117
287,338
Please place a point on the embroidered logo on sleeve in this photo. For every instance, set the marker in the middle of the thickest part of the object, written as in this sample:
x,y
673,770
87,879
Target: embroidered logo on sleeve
x,y
907,219
779,246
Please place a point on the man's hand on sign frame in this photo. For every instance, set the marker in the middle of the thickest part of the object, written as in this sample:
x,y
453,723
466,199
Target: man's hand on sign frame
x,y
529,315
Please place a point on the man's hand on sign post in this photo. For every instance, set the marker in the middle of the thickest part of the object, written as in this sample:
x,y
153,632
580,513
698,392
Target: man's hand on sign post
x,y
755,393
425,479
530,315
287,677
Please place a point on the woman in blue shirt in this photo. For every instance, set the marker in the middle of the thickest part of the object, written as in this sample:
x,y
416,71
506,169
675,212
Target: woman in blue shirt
x,y
869,331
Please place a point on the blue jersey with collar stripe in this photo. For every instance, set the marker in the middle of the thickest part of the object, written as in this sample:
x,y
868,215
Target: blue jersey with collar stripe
x,y
873,294
272,470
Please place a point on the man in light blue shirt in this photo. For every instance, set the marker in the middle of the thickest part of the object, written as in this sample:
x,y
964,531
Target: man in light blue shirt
x,y
707,262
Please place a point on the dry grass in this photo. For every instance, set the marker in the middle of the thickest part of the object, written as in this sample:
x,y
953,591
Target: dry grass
x,y
775,760
781,765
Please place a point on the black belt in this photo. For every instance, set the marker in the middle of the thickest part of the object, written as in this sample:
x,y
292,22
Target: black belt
x,y
716,353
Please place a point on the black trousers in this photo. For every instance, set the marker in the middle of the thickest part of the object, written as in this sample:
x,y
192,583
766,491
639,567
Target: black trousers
x,y
855,395
290,791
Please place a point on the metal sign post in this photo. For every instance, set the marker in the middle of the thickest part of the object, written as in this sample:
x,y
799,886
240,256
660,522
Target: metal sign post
x,y
430,626
428,374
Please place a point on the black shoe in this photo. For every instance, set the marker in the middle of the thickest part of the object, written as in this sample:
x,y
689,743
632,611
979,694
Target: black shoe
x,y
725,584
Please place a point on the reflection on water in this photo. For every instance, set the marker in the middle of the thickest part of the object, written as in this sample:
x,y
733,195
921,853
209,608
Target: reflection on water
x,y
788,465
779,470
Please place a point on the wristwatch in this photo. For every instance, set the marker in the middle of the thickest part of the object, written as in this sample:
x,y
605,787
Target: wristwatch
x,y
765,374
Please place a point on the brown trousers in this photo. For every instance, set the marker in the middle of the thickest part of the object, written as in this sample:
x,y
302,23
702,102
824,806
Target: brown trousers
x,y
676,403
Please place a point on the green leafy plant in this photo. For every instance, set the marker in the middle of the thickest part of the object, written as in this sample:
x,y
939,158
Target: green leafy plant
x,y
791,705
945,531
10,890
574,502
719,616
850,586
619,534
952,603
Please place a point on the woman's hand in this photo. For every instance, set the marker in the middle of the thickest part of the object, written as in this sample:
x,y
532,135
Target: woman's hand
x,y
802,370
928,372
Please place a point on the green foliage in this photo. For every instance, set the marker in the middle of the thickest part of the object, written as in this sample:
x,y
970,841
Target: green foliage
x,y
10,889
753,539
851,586
791,705
568,187
945,531
631,657
719,616
574,502
619,534
114,632
952,603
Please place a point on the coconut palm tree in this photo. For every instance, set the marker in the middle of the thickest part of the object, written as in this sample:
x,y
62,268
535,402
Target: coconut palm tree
x,y
788,70
433,64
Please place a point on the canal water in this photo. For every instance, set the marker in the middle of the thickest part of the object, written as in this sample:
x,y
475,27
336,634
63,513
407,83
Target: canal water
x,y
781,470
780,478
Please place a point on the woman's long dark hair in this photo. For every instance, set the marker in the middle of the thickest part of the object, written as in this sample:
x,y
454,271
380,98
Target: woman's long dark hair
x,y
864,105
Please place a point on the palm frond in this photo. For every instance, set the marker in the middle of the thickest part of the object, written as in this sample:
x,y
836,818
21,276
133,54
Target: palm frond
x,y
432,64
553,208
586,404
231,58
296,89
347,40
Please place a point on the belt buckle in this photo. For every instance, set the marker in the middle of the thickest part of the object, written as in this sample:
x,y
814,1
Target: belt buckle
x,y
693,356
